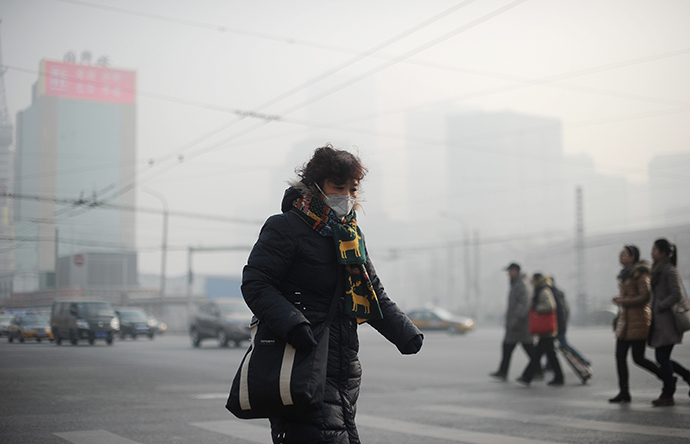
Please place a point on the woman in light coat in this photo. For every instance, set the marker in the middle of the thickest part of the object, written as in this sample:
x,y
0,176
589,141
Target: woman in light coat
x,y
633,320
663,334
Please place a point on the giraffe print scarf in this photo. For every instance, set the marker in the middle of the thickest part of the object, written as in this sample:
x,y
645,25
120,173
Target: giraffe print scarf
x,y
360,298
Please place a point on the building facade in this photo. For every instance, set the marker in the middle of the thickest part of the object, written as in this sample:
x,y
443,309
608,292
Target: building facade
x,y
75,151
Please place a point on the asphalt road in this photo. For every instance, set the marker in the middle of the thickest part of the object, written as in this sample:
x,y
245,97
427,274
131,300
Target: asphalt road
x,y
165,391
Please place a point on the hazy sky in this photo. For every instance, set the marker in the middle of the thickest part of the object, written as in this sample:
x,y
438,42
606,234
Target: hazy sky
x,y
349,72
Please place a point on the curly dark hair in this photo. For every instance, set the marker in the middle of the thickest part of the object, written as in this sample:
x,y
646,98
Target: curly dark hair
x,y
328,163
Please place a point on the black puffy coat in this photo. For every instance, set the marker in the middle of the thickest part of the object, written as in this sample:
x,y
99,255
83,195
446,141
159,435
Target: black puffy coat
x,y
290,279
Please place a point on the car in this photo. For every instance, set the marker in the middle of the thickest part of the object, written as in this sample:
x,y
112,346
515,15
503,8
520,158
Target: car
x,y
135,322
4,323
29,326
223,319
438,318
159,326
604,317
90,320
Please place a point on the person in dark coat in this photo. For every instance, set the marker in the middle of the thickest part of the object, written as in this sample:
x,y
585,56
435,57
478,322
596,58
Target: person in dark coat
x,y
290,279
663,334
517,321
563,316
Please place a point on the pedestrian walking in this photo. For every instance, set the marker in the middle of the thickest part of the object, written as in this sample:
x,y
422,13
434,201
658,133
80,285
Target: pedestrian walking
x,y
516,321
633,319
663,334
577,361
290,279
543,302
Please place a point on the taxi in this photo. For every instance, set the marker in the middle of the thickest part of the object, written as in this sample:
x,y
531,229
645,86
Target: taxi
x,y
29,326
438,318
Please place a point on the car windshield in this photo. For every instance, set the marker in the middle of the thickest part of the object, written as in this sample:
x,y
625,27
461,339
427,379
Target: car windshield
x,y
231,308
442,313
133,315
5,319
91,309
32,320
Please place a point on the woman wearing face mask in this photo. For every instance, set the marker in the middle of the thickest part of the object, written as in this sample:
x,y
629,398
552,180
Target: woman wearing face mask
x,y
663,334
291,277
633,320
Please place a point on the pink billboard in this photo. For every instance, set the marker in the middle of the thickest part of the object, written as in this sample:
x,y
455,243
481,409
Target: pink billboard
x,y
86,82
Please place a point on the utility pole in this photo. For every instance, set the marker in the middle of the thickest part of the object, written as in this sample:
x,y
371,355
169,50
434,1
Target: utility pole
x,y
55,278
477,295
466,243
164,247
580,257
190,273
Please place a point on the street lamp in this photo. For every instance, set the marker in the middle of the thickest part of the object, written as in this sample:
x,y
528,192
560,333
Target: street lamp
x,y
164,247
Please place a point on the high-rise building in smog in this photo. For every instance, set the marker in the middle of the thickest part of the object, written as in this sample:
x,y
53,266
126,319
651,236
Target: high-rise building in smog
x,y
75,149
506,166
6,252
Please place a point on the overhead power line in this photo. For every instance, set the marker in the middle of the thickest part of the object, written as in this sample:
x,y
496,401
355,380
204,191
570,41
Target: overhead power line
x,y
367,74
95,203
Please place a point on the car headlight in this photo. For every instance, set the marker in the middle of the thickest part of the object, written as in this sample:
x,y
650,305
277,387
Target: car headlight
x,y
115,323
48,330
81,323
152,322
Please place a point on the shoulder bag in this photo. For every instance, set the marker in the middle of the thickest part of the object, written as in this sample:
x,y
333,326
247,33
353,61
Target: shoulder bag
x,y
681,313
276,380
542,323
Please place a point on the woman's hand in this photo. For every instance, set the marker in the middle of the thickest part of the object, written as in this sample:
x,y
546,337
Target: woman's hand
x,y
617,300
413,345
302,338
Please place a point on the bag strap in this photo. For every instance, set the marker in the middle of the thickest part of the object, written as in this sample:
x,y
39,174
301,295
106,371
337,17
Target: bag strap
x,y
336,297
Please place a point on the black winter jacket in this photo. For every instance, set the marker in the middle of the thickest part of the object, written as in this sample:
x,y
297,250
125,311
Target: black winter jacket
x,y
290,279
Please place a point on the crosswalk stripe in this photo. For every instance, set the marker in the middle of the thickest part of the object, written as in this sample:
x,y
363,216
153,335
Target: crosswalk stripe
x,y
633,406
94,437
586,424
447,433
256,431
210,396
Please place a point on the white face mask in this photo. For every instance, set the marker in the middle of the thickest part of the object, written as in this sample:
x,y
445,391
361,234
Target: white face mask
x,y
340,204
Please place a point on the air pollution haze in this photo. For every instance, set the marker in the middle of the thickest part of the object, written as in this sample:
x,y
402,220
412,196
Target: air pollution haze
x,y
477,120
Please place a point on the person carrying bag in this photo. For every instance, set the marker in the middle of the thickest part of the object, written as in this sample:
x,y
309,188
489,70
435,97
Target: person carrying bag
x,y
543,323
291,285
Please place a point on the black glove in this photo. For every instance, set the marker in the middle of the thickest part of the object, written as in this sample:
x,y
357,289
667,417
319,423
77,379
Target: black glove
x,y
301,337
413,345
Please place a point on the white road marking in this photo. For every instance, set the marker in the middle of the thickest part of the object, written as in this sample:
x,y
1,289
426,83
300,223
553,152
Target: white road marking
x,y
93,437
254,430
615,427
439,432
210,396
638,405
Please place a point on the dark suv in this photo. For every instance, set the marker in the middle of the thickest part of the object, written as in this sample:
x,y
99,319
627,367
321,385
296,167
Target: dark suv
x,y
135,322
90,320
224,319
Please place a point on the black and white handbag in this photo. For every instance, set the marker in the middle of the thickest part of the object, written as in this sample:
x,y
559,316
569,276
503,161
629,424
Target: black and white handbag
x,y
276,380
